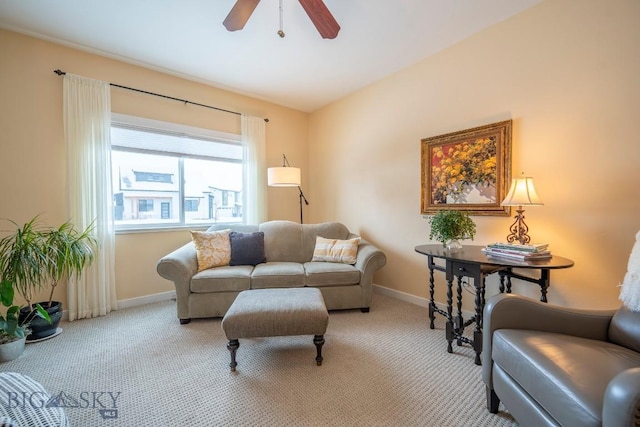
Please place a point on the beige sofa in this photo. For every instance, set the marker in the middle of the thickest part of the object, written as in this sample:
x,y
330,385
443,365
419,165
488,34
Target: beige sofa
x,y
288,249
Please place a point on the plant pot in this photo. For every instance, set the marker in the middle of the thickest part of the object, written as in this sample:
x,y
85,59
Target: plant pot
x,y
11,350
454,245
40,328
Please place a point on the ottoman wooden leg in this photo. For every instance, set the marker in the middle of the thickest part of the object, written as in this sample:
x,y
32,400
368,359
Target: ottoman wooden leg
x,y
233,347
318,340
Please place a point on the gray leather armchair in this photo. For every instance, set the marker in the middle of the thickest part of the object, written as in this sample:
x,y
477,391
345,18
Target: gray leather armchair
x,y
557,366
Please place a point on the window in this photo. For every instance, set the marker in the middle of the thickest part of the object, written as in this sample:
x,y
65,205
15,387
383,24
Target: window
x,y
145,205
153,177
168,175
191,205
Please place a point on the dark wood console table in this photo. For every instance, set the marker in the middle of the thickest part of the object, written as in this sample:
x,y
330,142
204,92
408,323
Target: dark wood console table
x,y
471,262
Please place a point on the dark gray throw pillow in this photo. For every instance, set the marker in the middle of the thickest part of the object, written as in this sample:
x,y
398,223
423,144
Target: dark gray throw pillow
x,y
247,248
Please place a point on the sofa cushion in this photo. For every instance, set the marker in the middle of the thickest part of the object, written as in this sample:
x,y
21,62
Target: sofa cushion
x,y
277,275
243,228
282,241
213,249
557,371
330,274
336,250
247,248
222,279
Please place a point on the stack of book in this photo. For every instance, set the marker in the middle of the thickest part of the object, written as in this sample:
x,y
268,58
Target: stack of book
x,y
518,252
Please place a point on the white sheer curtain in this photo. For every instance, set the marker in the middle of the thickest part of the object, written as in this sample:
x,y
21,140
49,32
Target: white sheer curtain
x,y
254,170
87,122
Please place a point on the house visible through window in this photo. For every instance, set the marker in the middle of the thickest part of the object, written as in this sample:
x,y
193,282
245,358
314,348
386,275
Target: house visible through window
x,y
168,175
153,177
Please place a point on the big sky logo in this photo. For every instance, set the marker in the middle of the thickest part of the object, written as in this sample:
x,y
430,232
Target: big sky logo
x,y
106,402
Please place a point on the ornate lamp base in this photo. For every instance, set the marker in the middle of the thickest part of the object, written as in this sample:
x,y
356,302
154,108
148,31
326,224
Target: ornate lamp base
x,y
519,229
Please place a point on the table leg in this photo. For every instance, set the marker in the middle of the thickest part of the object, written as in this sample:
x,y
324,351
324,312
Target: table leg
x,y
432,303
477,334
449,326
544,284
459,323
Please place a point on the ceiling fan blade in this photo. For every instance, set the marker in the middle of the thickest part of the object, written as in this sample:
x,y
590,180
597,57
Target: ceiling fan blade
x,y
239,14
324,21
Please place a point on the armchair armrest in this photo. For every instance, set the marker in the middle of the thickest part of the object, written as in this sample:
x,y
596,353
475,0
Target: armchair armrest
x,y
622,399
509,311
180,266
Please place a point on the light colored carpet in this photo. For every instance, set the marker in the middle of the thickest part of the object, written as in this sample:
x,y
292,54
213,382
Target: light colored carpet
x,y
383,368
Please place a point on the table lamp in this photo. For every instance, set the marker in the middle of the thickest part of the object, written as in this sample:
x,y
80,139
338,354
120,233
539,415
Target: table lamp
x,y
521,193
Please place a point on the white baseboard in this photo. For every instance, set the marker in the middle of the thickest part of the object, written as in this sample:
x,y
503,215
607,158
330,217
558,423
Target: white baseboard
x,y
422,302
147,299
133,302
403,296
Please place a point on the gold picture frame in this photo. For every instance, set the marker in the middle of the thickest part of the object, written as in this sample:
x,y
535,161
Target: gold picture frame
x,y
468,170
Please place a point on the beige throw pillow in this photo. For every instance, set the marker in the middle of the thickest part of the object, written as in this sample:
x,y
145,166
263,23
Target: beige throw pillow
x,y
213,248
335,250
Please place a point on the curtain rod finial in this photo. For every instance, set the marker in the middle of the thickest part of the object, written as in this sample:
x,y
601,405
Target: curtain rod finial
x,y
59,72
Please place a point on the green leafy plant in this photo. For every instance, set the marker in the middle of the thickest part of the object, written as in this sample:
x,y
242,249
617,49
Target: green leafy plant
x,y
449,225
35,256
11,329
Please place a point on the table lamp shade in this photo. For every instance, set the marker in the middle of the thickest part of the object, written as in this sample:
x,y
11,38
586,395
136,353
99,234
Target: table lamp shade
x,y
522,193
283,177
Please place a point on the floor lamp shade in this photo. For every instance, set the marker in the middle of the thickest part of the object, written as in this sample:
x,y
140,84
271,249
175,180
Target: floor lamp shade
x,y
283,177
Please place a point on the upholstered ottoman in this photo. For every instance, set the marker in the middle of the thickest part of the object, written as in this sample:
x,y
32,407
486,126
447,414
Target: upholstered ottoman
x,y
276,312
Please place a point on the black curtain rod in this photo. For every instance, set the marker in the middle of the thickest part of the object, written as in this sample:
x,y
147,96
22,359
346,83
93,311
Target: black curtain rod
x,y
62,73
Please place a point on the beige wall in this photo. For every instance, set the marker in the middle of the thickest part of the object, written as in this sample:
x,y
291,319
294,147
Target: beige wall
x,y
32,152
567,73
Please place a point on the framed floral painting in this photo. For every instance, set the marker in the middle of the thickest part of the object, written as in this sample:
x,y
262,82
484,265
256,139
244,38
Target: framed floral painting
x,y
468,170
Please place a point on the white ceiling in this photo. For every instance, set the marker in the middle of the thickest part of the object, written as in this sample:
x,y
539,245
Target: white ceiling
x,y
302,70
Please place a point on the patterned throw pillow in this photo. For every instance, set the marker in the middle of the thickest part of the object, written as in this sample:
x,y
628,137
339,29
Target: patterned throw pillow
x,y
213,248
335,250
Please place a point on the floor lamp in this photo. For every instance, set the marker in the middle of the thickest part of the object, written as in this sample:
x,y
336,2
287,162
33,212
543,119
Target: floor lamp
x,y
286,176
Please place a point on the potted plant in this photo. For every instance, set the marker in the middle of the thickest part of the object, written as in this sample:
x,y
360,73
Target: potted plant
x,y
451,226
35,257
13,333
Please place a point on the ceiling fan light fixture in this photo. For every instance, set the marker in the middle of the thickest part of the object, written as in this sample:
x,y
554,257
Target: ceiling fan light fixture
x,y
280,31
317,11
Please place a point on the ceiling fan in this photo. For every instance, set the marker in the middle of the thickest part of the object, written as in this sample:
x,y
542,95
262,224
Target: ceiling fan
x,y
318,12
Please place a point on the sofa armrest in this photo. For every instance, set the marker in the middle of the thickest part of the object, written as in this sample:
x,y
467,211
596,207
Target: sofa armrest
x,y
621,405
509,311
369,260
180,266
